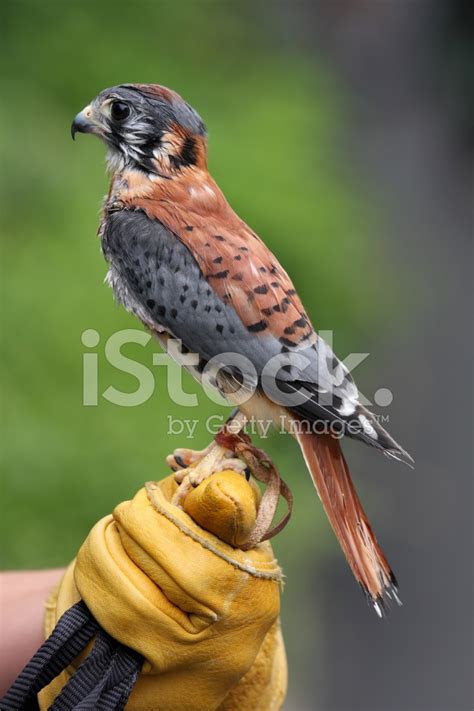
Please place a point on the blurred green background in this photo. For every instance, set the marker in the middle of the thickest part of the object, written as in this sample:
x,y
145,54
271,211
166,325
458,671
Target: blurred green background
x,y
277,112
273,123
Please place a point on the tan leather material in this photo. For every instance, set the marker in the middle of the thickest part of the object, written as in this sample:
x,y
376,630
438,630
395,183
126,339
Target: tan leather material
x,y
202,612
226,506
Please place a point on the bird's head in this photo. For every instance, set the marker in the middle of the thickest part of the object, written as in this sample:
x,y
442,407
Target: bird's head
x,y
146,127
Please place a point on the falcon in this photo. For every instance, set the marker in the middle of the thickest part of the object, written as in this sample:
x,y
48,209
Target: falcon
x,y
191,270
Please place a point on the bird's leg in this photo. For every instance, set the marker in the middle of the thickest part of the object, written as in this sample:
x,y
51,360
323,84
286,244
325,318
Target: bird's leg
x,y
182,458
216,458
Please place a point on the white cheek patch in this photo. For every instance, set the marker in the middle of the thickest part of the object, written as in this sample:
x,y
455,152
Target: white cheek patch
x,y
367,427
115,161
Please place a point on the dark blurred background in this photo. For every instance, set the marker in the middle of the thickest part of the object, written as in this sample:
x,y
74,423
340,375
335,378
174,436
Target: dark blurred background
x,y
342,132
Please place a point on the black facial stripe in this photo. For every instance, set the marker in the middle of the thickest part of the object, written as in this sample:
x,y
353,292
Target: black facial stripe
x,y
188,151
188,155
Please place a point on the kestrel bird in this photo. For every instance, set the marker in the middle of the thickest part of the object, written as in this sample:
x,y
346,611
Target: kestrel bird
x,y
190,269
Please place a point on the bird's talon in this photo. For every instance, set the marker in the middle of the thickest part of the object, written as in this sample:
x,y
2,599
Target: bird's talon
x,y
171,462
183,458
179,461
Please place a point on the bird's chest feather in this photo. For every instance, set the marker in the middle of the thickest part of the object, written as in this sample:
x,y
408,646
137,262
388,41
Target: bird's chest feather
x,y
155,276
234,261
151,265
127,275
182,261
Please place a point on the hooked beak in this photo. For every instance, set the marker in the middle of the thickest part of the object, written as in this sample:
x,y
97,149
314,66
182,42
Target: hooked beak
x,y
83,123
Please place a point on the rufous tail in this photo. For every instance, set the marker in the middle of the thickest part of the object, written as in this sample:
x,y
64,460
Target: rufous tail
x,y
328,468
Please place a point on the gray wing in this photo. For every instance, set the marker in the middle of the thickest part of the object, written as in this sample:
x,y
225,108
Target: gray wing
x,y
155,276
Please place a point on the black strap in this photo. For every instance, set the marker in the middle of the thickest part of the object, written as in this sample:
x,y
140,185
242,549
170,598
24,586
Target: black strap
x,y
103,681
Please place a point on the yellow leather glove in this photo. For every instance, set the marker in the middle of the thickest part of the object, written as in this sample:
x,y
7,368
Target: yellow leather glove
x,y
173,585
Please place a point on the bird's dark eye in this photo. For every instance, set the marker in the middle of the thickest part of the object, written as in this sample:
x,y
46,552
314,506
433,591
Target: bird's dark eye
x,y
119,111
